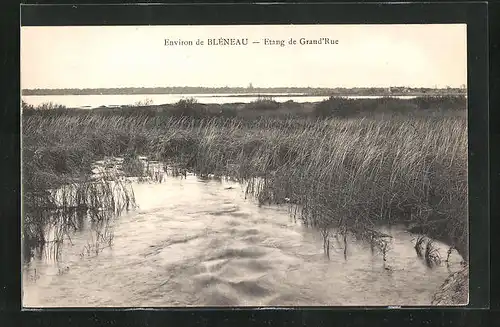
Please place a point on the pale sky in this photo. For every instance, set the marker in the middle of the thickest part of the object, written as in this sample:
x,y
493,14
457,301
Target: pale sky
x,y
135,56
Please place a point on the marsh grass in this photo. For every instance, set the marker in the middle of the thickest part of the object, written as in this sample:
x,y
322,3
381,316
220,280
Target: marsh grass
x,y
419,245
156,175
51,215
390,106
347,175
263,103
133,166
454,290
432,256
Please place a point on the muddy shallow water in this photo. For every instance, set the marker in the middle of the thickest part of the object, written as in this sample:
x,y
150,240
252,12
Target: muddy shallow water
x,y
198,242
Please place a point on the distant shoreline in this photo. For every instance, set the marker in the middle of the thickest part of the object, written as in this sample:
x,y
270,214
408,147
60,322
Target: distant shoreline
x,y
243,92
272,95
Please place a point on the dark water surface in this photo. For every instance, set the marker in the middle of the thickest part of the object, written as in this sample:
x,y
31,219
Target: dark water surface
x,y
196,242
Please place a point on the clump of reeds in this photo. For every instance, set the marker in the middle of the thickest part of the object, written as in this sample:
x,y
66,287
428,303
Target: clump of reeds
x,y
156,175
325,233
64,210
432,257
383,244
46,106
133,166
263,103
378,241
188,107
419,245
175,170
142,103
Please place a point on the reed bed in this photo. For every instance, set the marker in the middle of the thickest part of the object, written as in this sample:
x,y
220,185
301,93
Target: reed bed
x,y
51,215
342,175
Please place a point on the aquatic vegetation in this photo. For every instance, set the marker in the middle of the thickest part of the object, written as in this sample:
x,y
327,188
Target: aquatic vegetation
x,y
133,166
348,175
50,215
101,237
419,245
325,233
431,255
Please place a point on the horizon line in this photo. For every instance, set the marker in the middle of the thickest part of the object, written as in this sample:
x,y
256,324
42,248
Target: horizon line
x,y
247,87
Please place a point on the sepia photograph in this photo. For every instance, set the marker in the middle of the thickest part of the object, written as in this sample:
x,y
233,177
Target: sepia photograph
x,y
244,166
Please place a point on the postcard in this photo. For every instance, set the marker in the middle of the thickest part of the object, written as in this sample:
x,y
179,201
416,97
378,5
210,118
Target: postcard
x,y
244,166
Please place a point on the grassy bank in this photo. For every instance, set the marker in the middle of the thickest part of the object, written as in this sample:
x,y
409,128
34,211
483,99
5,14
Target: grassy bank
x,y
454,290
347,175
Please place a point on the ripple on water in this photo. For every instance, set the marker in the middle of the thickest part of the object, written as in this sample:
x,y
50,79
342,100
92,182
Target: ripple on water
x,y
179,252
253,265
215,265
219,295
217,287
239,252
250,288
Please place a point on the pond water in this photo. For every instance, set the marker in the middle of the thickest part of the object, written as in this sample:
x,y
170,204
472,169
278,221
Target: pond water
x,y
200,242
93,101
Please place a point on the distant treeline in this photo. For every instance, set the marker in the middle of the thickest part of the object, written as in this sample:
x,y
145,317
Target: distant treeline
x,y
366,91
